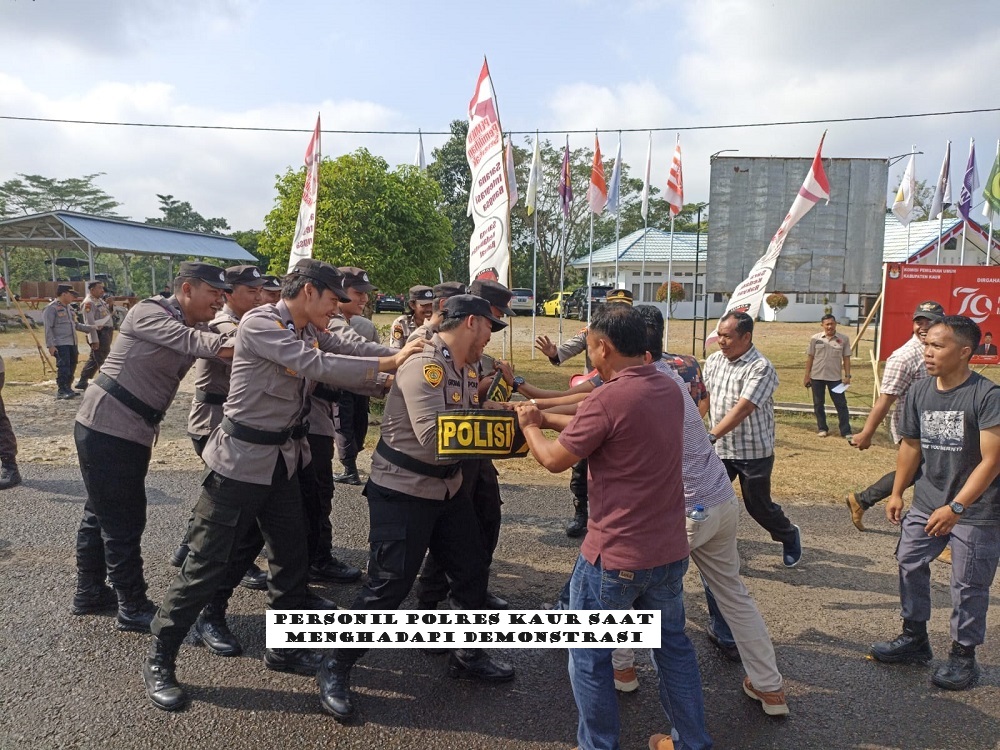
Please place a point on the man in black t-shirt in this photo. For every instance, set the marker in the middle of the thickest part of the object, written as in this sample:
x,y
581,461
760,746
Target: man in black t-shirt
x,y
950,425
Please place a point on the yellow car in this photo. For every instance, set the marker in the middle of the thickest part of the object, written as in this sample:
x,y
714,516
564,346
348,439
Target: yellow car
x,y
551,306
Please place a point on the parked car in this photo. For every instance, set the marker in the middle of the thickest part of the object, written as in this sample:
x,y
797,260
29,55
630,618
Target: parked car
x,y
389,303
523,301
550,306
576,304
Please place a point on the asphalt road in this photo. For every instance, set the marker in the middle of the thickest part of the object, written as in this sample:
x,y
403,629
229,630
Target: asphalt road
x,y
74,681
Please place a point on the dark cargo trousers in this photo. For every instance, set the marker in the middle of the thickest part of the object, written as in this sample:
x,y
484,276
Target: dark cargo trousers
x,y
8,443
480,483
223,545
755,484
66,359
316,484
114,516
98,355
350,415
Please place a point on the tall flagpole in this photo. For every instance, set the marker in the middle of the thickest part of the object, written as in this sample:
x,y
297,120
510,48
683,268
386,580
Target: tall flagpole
x,y
670,282
618,216
645,220
965,221
989,231
913,150
590,268
562,281
941,215
534,264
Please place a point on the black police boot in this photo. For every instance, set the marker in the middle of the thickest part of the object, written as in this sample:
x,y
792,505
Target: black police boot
x,y
81,385
911,647
350,473
476,664
334,688
255,578
298,660
179,555
577,526
211,630
495,602
316,601
334,571
9,476
135,611
960,670
158,674
92,595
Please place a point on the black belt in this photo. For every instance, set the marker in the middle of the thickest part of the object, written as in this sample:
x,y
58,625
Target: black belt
x,y
417,466
202,397
326,393
263,437
122,394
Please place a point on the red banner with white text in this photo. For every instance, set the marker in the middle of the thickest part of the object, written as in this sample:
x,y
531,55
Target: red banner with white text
x,y
973,291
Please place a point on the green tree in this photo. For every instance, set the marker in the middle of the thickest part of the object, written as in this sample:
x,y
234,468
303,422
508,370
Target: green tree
x,y
180,215
387,222
34,194
450,169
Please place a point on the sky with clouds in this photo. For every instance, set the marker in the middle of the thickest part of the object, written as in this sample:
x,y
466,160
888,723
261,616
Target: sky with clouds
x,y
557,65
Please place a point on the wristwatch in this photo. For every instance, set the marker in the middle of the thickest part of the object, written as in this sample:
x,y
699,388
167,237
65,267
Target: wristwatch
x,y
712,438
956,508
518,382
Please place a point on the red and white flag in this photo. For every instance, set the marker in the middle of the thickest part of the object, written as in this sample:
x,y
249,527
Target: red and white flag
x,y
750,293
489,198
305,224
675,182
597,193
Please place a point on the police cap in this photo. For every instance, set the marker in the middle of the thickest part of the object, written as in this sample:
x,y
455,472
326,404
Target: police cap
x,y
63,288
92,284
493,292
211,275
621,296
357,278
448,289
463,305
324,273
271,283
244,276
930,309
421,293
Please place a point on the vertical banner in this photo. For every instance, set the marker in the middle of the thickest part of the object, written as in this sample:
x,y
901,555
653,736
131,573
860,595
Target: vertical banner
x,y
489,195
305,224
750,293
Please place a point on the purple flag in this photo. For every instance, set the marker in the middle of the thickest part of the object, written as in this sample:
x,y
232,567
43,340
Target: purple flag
x,y
566,183
969,184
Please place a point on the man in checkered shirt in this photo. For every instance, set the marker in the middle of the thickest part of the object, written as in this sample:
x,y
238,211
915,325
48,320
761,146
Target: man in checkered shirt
x,y
741,384
904,367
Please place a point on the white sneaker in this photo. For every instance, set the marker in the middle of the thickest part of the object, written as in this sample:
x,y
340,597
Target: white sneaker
x,y
822,433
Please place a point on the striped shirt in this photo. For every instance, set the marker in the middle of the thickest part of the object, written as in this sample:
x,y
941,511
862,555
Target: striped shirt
x,y
752,377
706,482
904,367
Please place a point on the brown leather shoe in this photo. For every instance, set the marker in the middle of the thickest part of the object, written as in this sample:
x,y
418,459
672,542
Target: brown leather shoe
x,y
661,742
772,702
945,556
857,512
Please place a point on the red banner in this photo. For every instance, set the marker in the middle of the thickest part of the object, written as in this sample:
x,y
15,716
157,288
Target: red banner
x,y
973,291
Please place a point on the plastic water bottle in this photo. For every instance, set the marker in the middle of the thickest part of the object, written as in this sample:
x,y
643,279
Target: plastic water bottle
x,y
697,513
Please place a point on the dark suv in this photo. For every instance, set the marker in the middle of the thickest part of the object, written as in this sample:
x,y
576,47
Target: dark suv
x,y
389,303
576,305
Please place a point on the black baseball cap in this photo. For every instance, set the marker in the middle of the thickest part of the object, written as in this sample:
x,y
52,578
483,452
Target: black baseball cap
x,y
448,289
462,305
244,276
930,309
421,293
211,275
493,292
63,288
326,274
357,278
271,283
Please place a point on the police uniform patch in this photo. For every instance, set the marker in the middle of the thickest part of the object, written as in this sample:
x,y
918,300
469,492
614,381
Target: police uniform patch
x,y
473,374
397,333
475,398
456,397
433,374
86,307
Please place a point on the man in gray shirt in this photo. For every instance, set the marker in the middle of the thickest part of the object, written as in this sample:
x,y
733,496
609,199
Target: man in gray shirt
x,y
116,426
60,338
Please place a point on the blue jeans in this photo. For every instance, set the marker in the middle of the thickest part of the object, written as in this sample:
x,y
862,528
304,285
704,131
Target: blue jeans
x,y
716,622
592,676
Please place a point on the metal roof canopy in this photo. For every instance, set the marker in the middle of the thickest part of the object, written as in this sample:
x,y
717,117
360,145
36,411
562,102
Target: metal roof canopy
x,y
66,230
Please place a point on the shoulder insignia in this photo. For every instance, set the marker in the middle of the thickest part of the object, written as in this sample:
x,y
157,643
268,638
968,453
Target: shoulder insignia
x,y
456,397
397,332
86,307
473,374
433,374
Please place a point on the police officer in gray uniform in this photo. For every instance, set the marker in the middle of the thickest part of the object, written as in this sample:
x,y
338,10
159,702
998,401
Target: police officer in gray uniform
x,y
479,476
441,292
95,309
421,304
270,293
557,355
415,502
60,338
116,426
253,458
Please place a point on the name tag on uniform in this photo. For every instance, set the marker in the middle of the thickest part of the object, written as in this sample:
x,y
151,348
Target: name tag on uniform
x,y
479,433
